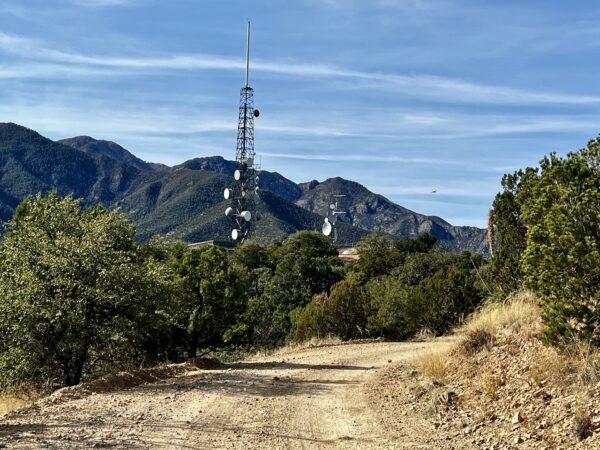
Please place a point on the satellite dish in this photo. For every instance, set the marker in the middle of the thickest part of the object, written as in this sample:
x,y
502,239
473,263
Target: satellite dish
x,y
256,189
235,234
228,194
243,193
229,211
326,220
256,113
327,228
237,175
332,206
246,215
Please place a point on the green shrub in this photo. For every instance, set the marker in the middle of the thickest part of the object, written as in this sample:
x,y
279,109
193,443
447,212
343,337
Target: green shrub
x,y
392,312
561,261
210,301
341,314
445,299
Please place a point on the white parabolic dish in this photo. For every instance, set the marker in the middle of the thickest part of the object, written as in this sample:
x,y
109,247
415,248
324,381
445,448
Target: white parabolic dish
x,y
246,215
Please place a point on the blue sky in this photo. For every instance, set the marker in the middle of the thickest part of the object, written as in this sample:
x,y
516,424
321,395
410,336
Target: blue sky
x,y
403,96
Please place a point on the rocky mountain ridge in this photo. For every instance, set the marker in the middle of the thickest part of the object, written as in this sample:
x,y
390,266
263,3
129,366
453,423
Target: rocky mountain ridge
x,y
185,201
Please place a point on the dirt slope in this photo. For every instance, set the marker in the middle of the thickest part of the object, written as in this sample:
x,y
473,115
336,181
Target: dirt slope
x,y
310,398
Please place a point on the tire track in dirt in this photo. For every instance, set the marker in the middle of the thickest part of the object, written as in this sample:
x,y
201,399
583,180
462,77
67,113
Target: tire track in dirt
x,y
304,399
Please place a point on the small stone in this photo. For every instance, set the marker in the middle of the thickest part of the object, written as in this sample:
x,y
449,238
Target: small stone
x,y
517,418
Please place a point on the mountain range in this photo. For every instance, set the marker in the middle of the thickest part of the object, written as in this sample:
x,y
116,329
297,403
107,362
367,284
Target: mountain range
x,y
186,201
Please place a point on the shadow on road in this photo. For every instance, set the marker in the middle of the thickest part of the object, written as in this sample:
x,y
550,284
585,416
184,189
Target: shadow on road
x,y
238,383
286,365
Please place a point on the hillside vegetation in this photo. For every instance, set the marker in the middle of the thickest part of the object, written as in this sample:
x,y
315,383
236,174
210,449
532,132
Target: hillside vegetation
x,y
79,296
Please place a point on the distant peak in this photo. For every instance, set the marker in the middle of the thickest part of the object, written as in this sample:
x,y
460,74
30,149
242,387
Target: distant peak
x,y
8,126
210,164
110,149
79,142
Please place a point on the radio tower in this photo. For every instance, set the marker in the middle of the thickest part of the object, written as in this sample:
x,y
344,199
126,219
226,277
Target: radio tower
x,y
242,195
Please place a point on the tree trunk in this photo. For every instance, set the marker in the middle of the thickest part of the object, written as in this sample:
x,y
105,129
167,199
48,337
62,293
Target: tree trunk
x,y
193,347
73,371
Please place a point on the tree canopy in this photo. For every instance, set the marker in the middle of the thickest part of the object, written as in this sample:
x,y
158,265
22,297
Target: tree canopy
x,y
71,287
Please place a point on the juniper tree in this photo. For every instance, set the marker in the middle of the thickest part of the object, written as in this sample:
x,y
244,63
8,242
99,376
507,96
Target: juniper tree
x,y
561,261
72,287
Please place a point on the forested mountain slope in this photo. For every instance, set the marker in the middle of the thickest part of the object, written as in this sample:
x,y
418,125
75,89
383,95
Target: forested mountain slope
x,y
186,201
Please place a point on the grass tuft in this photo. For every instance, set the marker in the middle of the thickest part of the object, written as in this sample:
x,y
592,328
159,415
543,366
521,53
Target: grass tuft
x,y
9,403
476,340
517,311
433,364
583,424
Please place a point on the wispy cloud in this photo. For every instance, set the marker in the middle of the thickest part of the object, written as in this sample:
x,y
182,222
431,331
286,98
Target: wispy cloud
x,y
100,3
423,86
466,190
352,5
358,158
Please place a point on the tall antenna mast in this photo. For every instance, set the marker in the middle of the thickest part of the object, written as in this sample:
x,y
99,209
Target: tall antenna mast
x,y
248,55
243,208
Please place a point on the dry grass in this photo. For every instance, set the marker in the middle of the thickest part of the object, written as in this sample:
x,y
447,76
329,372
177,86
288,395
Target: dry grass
x,y
589,371
516,312
433,363
476,340
9,403
583,424
491,384
425,335
554,366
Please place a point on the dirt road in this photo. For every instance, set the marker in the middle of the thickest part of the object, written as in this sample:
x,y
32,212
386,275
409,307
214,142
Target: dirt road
x,y
310,398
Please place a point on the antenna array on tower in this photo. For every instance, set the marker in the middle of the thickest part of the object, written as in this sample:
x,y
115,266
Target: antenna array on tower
x,y
243,194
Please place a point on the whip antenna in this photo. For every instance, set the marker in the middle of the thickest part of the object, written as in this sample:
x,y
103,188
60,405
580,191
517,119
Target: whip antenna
x,y
248,55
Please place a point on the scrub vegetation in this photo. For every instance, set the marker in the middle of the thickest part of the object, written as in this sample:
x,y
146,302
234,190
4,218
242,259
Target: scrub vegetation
x,y
80,297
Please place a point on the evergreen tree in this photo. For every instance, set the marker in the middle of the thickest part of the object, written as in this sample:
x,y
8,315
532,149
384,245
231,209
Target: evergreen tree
x,y
211,300
561,261
505,268
73,288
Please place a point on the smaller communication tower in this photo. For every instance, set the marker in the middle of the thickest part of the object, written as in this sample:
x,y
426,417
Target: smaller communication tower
x,y
329,225
243,194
